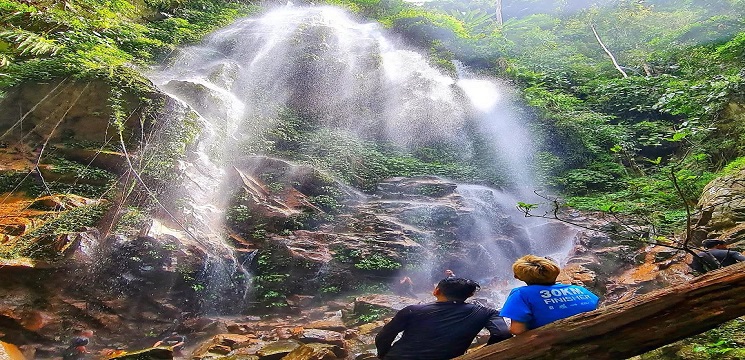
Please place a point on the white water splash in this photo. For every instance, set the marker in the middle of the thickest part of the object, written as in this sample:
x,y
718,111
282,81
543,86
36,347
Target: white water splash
x,y
348,76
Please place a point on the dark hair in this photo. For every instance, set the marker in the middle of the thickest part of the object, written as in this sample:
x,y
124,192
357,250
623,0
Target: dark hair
x,y
710,243
457,289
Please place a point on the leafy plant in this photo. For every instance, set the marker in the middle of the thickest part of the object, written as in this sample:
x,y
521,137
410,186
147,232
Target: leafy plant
x,y
377,262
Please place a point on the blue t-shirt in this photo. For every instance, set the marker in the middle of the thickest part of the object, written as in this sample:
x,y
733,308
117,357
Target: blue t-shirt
x,y
538,305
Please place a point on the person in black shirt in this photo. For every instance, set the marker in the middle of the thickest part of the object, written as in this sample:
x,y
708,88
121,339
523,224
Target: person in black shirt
x,y
716,256
440,330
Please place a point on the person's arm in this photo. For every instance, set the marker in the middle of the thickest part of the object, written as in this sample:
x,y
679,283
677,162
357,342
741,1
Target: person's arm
x,y
696,265
384,339
157,343
518,310
517,327
738,256
497,328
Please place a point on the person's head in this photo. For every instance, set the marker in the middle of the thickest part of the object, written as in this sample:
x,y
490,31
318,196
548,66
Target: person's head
x,y
714,244
449,273
87,333
455,289
535,270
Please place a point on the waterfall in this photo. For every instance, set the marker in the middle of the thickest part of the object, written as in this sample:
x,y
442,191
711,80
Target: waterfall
x,y
348,76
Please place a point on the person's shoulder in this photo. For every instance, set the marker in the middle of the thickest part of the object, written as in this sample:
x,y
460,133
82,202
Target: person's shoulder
x,y
521,288
80,341
415,307
481,307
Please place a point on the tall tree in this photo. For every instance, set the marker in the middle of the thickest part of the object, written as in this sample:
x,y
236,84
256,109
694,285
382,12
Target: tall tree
x,y
499,13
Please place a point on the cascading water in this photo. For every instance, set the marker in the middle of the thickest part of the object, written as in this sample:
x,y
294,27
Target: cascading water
x,y
319,63
504,239
500,120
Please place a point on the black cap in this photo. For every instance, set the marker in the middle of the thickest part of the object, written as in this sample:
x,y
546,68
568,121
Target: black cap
x,y
710,243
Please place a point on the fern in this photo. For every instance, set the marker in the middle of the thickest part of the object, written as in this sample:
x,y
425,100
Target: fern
x,y
29,43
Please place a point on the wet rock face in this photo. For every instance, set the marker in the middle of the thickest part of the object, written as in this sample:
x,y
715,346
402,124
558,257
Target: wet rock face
x,y
618,268
722,206
371,239
81,107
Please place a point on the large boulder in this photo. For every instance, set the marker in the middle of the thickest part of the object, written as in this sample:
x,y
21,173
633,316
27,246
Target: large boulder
x,y
80,110
333,338
312,352
278,349
373,307
722,208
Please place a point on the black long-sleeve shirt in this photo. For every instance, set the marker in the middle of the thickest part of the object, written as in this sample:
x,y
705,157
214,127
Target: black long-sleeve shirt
x,y
716,258
438,331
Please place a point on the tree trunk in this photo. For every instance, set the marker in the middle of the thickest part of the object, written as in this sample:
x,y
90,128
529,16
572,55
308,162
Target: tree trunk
x,y
607,51
499,12
644,323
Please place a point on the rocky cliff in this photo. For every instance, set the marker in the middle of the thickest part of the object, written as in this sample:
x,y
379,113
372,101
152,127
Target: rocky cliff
x,y
95,236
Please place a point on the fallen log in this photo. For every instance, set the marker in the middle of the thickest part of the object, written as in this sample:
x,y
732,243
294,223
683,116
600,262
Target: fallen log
x,y
633,327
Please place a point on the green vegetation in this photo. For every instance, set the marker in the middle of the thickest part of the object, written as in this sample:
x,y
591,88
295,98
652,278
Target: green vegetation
x,y
42,242
616,139
724,342
377,262
369,314
364,163
610,141
90,39
270,284
362,261
132,220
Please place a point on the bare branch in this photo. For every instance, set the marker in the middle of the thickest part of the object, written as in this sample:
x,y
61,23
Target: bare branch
x,y
640,235
612,58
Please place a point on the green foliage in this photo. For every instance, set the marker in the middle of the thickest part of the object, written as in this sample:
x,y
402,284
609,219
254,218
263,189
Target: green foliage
x,y
721,343
63,166
653,197
161,158
39,244
11,181
377,262
360,162
370,314
132,220
26,43
596,177
71,220
271,281
734,166
326,203
94,39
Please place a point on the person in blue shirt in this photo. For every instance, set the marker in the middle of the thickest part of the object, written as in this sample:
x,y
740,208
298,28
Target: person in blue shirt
x,y
543,300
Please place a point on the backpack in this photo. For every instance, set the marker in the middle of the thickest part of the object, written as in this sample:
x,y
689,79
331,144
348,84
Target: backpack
x,y
709,262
